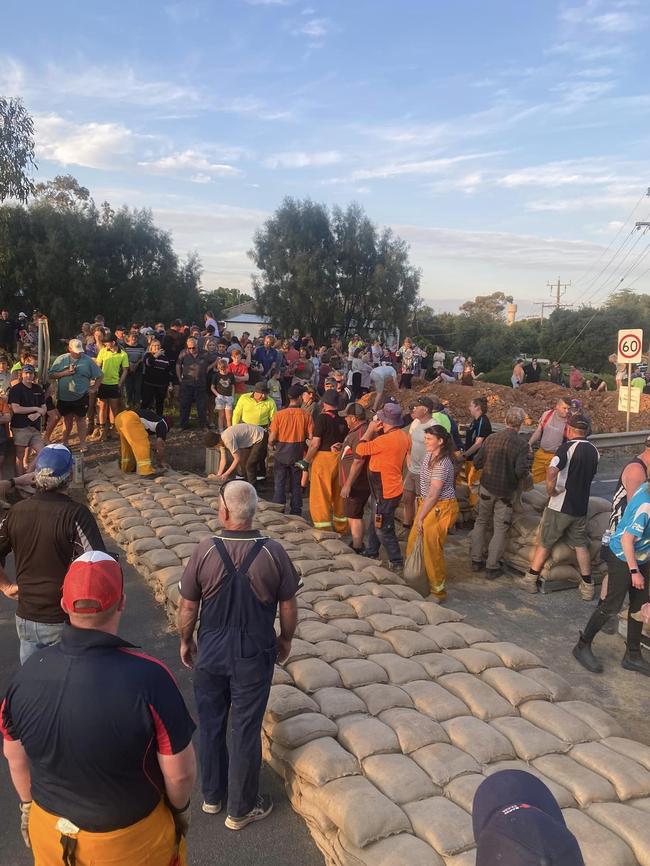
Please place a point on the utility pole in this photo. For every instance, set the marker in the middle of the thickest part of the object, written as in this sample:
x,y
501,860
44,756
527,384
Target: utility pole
x,y
560,290
543,305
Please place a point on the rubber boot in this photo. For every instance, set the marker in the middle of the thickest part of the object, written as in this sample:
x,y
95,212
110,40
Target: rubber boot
x,y
633,661
582,653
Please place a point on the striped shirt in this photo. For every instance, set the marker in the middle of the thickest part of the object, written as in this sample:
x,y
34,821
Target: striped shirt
x,y
443,471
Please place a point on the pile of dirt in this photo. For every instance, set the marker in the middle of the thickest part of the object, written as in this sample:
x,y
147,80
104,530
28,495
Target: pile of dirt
x,y
533,399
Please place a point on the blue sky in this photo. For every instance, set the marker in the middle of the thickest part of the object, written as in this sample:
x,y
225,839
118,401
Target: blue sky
x,y
506,140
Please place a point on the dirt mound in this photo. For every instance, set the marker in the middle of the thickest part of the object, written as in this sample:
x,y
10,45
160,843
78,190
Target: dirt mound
x,y
533,399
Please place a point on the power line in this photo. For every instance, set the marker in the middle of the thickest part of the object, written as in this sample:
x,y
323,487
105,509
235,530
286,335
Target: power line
x,y
600,288
586,290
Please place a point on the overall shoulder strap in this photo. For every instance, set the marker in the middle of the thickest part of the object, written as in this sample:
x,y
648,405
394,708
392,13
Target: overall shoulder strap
x,y
221,549
251,556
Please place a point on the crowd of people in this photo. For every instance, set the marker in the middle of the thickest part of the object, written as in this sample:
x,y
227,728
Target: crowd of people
x,y
385,475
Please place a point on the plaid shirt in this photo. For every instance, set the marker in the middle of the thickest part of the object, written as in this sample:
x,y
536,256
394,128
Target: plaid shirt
x,y
504,458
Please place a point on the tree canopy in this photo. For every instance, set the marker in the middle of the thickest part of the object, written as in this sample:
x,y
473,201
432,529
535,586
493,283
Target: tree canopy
x,y
17,159
72,260
325,271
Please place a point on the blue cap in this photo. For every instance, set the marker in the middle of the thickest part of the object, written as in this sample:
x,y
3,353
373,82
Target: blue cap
x,y
28,368
517,822
54,461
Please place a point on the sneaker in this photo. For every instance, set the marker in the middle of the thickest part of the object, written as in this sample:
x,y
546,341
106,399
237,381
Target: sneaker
x,y
261,477
211,808
586,590
263,808
529,582
583,654
478,566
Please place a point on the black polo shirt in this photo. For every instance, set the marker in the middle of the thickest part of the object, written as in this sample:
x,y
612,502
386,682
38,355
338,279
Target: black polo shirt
x,y
91,713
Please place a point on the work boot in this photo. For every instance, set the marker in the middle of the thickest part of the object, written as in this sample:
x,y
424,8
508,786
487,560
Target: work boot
x,y
582,653
492,573
396,567
439,597
529,582
633,661
478,566
586,590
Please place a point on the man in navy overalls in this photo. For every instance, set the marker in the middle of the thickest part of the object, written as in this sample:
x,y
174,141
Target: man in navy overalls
x,y
237,581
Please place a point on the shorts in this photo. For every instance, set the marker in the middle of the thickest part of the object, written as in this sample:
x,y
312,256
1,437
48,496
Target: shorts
x,y
412,483
109,392
27,437
221,401
74,407
354,505
49,404
556,526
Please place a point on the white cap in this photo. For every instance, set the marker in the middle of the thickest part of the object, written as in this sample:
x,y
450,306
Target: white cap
x,y
75,345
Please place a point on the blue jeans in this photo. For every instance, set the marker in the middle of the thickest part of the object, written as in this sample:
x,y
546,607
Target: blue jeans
x,y
35,636
381,530
281,474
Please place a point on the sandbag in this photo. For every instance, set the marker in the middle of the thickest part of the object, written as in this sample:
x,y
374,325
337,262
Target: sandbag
x,y
564,798
469,633
409,643
409,609
367,645
300,729
438,664
395,850
353,626
598,845
286,701
302,649
399,670
365,605
511,655
475,661
333,650
462,789
631,749
362,813
378,697
313,674
483,701
627,822
563,572
443,762
443,636
586,786
413,728
386,622
529,741
321,761
437,702
627,776
443,824
399,778
478,739
414,573
317,631
365,735
557,721
558,688
604,724
328,608
334,702
437,614
359,672
515,687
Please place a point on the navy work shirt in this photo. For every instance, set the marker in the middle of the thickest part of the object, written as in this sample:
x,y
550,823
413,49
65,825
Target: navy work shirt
x,y
92,713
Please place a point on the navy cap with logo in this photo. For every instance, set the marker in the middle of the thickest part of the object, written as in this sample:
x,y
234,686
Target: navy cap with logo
x,y
517,822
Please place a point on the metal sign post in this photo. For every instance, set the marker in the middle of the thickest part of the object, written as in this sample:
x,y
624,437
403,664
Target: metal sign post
x,y
630,342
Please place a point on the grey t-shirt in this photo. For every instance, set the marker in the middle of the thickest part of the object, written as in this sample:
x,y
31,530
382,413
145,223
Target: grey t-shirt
x,y
241,436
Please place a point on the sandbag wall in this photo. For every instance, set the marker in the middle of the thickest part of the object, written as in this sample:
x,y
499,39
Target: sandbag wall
x,y
562,565
391,710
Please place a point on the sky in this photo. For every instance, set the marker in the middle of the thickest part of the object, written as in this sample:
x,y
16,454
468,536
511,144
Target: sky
x,y
506,141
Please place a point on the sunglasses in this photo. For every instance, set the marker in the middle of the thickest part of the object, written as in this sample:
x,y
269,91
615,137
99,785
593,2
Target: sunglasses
x,y
221,493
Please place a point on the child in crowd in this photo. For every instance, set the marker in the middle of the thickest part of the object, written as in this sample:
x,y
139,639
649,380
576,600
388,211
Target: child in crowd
x,y
223,388
275,390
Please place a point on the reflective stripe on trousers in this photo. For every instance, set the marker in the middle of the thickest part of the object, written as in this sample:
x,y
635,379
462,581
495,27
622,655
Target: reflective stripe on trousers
x,y
135,451
325,503
434,534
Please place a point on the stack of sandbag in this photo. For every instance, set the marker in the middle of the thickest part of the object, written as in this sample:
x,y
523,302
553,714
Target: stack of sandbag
x,y
561,568
391,710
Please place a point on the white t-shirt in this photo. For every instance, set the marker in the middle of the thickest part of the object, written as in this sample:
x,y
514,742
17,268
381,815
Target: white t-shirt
x,y
416,432
379,375
438,360
214,325
241,436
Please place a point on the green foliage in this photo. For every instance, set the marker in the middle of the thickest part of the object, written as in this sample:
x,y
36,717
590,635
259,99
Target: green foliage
x,y
323,271
70,260
16,150
218,300
492,306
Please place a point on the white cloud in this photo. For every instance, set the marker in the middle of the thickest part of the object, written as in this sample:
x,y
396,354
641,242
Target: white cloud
x,y
565,173
502,248
315,28
616,22
191,160
94,145
416,167
302,159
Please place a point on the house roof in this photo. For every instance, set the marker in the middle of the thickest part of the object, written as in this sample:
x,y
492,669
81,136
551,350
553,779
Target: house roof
x,y
247,319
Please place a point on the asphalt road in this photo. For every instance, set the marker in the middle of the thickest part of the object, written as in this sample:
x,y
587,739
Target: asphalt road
x,y
280,839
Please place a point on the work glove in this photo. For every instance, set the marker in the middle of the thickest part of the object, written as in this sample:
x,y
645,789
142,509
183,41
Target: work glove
x,y
25,809
303,465
182,818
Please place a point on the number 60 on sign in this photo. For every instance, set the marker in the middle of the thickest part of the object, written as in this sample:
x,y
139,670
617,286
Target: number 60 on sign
x,y
630,342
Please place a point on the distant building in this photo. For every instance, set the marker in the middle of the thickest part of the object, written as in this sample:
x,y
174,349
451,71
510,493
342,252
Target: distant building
x,y
251,322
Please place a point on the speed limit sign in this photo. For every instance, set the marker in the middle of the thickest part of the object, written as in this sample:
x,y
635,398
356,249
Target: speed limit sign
x,y
630,342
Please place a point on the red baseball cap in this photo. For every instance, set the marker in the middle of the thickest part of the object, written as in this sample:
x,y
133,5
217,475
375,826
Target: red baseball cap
x,y
96,577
